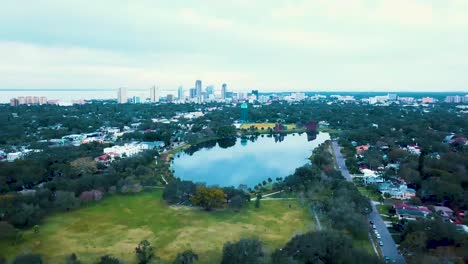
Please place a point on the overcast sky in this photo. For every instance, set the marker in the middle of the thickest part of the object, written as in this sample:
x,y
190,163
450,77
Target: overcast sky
x,y
272,45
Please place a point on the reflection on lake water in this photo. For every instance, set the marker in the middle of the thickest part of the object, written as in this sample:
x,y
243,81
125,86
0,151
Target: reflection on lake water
x,y
248,161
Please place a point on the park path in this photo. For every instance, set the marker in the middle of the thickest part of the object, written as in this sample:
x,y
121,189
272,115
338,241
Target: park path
x,y
319,225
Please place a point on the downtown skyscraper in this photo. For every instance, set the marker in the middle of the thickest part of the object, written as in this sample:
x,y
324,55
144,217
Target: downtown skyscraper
x,y
153,94
198,88
180,93
223,91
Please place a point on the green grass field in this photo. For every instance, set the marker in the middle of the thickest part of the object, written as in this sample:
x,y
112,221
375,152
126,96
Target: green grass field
x,y
373,195
118,223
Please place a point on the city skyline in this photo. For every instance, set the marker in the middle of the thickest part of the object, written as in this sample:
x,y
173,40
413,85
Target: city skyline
x,y
272,46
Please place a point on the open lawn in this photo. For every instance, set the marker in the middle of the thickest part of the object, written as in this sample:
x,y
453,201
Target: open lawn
x,y
265,126
118,223
369,193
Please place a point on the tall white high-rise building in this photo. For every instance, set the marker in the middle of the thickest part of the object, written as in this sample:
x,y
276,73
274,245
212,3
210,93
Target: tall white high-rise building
x,y
153,94
122,95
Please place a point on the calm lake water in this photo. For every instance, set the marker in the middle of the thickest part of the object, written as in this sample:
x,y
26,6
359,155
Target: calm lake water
x,y
235,162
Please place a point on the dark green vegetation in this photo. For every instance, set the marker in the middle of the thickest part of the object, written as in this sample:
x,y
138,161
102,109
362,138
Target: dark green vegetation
x,y
440,238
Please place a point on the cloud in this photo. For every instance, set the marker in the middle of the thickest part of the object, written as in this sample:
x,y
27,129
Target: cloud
x,y
271,45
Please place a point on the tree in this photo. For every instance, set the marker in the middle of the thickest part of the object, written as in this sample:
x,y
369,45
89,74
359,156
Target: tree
x,y
226,132
257,200
6,230
321,247
108,259
238,202
84,165
144,252
186,257
209,198
25,215
246,251
66,200
28,259
178,191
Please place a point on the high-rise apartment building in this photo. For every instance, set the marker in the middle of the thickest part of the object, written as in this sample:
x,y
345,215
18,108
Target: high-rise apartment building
x,y
209,90
198,88
122,95
180,93
29,100
255,92
153,94
223,91
43,100
14,102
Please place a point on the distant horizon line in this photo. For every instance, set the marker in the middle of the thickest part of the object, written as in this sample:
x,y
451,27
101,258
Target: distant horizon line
x,y
285,91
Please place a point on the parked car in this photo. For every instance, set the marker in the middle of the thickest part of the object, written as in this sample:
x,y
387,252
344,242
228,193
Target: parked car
x,y
381,243
373,226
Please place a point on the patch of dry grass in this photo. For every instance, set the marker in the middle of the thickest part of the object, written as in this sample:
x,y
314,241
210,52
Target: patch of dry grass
x,y
265,126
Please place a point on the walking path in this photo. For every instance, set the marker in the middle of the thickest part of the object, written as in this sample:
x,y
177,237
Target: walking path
x,y
319,225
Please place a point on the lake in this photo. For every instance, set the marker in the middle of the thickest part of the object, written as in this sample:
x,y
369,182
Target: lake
x,y
240,161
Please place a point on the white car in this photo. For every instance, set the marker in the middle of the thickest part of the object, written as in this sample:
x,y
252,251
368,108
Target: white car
x,y
377,235
381,243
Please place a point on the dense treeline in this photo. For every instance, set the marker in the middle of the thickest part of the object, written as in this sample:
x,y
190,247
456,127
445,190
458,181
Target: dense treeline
x,y
67,177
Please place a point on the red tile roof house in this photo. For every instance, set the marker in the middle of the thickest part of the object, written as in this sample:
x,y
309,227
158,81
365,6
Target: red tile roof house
x,y
410,212
107,158
362,149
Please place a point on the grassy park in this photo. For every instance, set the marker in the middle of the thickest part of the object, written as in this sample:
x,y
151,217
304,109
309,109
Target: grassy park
x,y
118,223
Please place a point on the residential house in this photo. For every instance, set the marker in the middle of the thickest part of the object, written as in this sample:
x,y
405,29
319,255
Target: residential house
x,y
414,149
410,212
14,156
107,158
397,191
360,150
373,180
444,211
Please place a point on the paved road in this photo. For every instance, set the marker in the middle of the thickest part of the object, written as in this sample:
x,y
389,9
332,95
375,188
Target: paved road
x,y
341,161
389,248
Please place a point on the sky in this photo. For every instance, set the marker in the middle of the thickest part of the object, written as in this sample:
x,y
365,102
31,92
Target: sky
x,y
270,45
